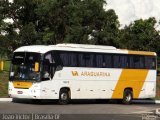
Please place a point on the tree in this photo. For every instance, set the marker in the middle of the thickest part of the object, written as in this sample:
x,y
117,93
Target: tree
x,y
72,21
22,30
75,20
4,27
141,35
59,21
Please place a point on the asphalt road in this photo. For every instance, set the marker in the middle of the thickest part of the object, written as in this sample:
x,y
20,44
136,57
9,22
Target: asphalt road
x,y
76,110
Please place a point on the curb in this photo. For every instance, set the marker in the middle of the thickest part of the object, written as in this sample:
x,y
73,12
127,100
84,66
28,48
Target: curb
x,y
5,99
147,101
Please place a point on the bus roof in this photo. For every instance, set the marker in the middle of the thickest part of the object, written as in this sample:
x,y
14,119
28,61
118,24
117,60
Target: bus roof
x,y
85,46
80,47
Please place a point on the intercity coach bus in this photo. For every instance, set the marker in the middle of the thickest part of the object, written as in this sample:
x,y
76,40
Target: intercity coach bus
x,y
76,71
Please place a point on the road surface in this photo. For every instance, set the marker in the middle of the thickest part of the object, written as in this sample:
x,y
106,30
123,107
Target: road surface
x,y
86,110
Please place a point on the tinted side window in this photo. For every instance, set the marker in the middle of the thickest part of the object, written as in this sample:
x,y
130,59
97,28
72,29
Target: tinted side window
x,y
73,59
116,61
123,61
89,58
107,61
120,61
68,59
48,57
64,58
47,66
131,62
136,62
81,60
150,62
99,60
141,62
86,60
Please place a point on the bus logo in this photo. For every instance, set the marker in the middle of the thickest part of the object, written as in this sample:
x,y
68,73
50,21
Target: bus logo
x,y
74,73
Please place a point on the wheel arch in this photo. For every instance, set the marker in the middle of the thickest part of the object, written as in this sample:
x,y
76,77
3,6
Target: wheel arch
x,y
127,96
66,88
131,89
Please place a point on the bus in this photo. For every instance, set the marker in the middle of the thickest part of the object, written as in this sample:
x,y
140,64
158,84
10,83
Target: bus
x,y
76,71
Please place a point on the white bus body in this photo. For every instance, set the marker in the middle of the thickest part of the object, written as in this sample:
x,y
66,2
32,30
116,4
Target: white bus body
x,y
88,82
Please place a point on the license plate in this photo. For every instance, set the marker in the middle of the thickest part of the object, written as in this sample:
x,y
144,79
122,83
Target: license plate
x,y
19,92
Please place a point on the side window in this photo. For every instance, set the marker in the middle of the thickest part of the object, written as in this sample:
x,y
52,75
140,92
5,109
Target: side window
x,y
131,62
107,62
141,62
48,57
99,60
150,62
47,67
64,58
69,59
73,59
56,58
123,61
136,62
89,60
116,61
86,59
120,61
81,60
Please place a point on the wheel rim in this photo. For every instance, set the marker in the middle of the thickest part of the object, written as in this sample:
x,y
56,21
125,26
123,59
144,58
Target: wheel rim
x,y
128,97
64,96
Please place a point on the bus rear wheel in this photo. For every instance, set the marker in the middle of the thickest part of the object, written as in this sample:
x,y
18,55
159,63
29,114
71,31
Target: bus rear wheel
x,y
64,97
127,97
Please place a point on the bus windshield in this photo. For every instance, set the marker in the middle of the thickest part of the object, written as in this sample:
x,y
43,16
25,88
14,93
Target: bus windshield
x,y
22,66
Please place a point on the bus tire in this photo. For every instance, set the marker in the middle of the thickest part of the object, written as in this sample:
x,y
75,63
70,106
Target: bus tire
x,y
127,97
64,97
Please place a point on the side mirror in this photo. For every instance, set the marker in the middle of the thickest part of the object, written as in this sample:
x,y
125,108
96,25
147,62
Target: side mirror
x,y
1,65
36,67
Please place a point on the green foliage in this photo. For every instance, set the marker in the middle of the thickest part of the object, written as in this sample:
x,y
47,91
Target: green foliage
x,y
141,35
4,84
4,79
71,21
57,21
7,66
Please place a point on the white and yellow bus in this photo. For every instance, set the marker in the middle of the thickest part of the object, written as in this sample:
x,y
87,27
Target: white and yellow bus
x,y
76,71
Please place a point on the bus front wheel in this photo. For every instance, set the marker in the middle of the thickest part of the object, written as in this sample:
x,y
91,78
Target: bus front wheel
x,y
127,97
64,97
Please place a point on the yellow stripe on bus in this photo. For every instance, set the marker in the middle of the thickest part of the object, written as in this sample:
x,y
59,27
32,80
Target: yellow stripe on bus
x,y
141,53
130,78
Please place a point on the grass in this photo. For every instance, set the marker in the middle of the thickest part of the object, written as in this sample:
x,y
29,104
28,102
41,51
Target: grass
x,y
4,77
7,65
158,88
4,84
